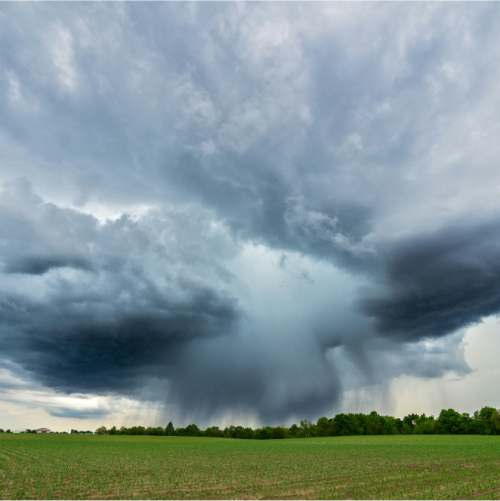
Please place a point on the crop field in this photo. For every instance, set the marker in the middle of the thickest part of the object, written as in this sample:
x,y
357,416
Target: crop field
x,y
121,467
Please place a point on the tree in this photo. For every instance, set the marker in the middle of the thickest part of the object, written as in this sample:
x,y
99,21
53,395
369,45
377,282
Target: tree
x,y
495,418
213,431
278,432
425,425
324,427
102,430
305,424
192,431
170,430
349,424
452,422
409,423
249,433
262,434
373,425
389,425
483,421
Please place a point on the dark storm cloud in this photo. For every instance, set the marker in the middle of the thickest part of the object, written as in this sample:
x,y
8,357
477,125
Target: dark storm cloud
x,y
106,355
38,265
326,151
439,282
108,325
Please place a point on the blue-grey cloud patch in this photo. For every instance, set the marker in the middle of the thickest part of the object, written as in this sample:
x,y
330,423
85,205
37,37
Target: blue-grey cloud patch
x,y
70,412
39,264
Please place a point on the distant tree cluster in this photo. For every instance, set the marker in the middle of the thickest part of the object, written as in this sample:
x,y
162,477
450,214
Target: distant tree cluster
x,y
48,433
169,430
483,422
78,432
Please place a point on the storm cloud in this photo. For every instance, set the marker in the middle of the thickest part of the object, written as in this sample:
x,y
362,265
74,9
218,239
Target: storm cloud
x,y
120,317
245,209
440,282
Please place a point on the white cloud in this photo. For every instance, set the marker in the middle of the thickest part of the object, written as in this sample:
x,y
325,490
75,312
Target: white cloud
x,y
60,44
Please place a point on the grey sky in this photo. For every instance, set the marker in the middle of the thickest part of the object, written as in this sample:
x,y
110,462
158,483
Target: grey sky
x,y
249,209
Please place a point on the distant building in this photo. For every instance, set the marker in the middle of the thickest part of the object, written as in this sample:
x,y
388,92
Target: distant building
x,y
43,430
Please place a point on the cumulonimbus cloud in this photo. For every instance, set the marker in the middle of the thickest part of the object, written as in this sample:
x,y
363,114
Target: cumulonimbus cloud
x,y
317,193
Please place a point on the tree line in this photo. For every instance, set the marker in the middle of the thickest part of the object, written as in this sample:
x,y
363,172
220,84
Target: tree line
x,y
485,421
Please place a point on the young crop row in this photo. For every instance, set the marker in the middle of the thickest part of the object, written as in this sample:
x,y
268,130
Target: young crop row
x,y
92,467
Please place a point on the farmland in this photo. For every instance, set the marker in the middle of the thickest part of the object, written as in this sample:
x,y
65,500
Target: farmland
x,y
125,467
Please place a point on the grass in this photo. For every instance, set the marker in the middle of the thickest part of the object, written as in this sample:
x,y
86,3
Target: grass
x,y
117,467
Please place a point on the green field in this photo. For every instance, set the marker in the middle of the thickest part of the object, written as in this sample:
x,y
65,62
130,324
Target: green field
x,y
120,467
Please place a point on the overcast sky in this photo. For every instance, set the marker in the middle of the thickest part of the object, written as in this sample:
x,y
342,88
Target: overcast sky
x,y
247,213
